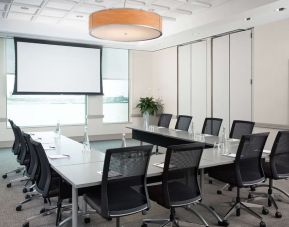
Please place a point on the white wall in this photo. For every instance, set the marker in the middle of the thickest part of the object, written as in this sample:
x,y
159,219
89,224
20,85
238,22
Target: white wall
x,y
271,72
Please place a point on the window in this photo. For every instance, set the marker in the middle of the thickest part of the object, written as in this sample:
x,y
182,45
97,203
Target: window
x,y
115,85
40,110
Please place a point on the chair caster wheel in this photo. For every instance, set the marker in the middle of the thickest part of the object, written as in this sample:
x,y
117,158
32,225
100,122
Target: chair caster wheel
x,y
4,176
219,192
262,224
230,188
24,190
43,210
109,219
18,208
250,196
26,224
278,214
28,196
210,182
9,185
144,225
265,211
17,171
144,212
86,220
253,188
223,223
238,212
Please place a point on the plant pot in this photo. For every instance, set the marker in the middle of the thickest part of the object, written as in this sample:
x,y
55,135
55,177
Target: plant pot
x,y
146,119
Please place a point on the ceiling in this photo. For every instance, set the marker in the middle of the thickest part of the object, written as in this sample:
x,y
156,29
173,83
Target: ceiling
x,y
68,19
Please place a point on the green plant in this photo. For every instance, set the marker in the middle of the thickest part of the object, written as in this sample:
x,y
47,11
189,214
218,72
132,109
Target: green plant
x,y
148,104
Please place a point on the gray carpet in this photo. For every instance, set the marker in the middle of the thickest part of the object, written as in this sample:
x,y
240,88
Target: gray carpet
x,y
9,197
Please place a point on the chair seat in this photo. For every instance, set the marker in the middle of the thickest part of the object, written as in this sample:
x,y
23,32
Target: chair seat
x,y
121,201
185,195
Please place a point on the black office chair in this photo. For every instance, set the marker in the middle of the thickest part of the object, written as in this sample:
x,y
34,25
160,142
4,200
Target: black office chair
x,y
183,122
23,156
49,184
212,126
164,121
179,186
32,172
246,170
240,128
123,190
15,150
276,169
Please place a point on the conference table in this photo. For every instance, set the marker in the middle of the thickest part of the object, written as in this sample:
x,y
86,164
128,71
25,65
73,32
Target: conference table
x,y
83,168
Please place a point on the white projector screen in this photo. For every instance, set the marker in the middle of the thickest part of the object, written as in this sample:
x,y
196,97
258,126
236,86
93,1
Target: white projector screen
x,y
48,67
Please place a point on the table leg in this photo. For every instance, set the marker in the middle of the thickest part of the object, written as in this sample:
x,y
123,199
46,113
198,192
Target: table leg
x,y
141,143
202,173
74,206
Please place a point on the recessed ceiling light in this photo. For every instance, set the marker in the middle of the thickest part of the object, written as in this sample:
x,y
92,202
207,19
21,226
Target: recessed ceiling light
x,y
248,18
24,7
280,9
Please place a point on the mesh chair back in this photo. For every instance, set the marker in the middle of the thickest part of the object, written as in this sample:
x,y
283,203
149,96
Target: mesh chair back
x,y
279,157
248,162
183,122
23,152
180,183
44,179
16,144
212,126
33,169
164,120
240,128
124,172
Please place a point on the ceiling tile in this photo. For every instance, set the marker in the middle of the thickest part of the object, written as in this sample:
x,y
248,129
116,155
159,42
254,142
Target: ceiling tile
x,y
74,23
46,20
19,16
29,2
23,9
77,16
64,5
88,8
53,13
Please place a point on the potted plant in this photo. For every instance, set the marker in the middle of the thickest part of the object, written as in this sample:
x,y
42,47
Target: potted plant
x,y
148,106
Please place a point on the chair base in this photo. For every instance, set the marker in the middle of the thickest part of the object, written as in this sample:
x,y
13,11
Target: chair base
x,y
16,171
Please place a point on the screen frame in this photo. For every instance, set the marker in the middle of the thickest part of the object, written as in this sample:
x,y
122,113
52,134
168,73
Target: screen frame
x,y
50,42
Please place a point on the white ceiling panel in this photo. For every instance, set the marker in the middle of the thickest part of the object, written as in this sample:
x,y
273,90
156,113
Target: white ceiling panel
x,y
88,8
53,13
46,20
19,16
64,5
24,9
29,2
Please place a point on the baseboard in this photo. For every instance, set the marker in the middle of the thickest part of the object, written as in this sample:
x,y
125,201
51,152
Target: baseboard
x,y
118,136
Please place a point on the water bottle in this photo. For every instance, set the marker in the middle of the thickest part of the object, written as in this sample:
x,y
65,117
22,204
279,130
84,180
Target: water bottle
x,y
123,142
58,130
224,140
86,144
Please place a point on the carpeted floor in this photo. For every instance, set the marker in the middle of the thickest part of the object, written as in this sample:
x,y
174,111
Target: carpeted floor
x,y
9,197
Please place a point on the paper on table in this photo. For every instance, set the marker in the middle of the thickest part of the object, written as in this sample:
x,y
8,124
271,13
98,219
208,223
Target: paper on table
x,y
162,164
58,156
267,151
48,147
230,155
111,173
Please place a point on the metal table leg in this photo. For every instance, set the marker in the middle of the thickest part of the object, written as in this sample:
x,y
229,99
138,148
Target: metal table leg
x,y
74,206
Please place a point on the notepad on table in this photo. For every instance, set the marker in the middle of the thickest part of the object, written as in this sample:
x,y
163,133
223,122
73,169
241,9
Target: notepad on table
x,y
58,156
232,155
162,164
111,173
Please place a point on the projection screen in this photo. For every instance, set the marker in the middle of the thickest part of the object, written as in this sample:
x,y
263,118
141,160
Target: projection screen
x,y
49,67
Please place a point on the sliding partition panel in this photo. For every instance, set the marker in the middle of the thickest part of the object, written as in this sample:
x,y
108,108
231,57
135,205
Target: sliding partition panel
x,y
221,80
184,80
199,83
240,76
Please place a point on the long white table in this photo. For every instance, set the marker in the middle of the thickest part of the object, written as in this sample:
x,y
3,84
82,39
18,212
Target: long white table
x,y
81,168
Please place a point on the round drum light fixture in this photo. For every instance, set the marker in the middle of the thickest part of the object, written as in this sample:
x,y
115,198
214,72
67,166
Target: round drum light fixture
x,y
125,25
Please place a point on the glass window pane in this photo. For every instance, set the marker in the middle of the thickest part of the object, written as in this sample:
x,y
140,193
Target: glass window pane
x,y
115,101
44,110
